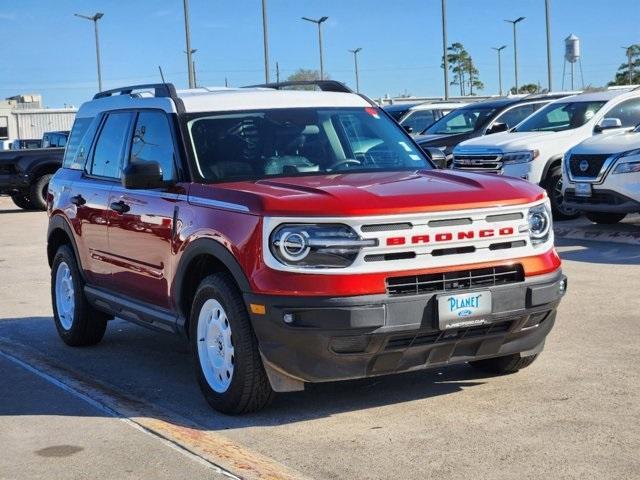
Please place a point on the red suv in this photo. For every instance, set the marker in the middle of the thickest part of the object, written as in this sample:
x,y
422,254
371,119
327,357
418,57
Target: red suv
x,y
292,236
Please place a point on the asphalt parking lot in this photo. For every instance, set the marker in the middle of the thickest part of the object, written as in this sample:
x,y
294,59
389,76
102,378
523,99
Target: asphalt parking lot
x,y
130,408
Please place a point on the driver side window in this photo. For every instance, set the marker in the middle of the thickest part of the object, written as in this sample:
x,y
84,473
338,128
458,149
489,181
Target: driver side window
x,y
628,112
153,142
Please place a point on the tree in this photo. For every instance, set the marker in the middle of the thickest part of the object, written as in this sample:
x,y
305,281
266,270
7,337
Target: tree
x,y
465,73
622,75
527,88
305,75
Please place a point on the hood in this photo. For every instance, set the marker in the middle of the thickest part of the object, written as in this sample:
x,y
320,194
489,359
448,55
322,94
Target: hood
x,y
380,193
514,141
612,143
441,140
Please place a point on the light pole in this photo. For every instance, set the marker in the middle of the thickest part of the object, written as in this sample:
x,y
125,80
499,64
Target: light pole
x,y
95,19
319,22
629,50
547,9
444,49
265,40
355,62
193,67
189,50
515,47
499,50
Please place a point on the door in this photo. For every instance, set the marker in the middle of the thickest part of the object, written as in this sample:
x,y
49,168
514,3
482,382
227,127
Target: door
x,y
141,221
91,195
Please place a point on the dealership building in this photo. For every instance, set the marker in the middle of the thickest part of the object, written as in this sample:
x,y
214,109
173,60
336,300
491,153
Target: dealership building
x,y
23,117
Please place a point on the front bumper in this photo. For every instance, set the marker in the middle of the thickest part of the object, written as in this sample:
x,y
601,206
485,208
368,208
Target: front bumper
x,y
342,338
11,183
601,200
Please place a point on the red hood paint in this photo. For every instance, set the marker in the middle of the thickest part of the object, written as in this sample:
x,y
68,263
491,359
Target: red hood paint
x,y
380,193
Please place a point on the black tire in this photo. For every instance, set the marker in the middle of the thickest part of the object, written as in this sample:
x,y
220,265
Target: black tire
x,y
38,192
504,365
605,218
553,186
22,201
86,326
249,389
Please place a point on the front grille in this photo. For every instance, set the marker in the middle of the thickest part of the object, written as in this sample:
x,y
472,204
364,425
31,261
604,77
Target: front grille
x,y
479,162
593,165
453,281
440,336
596,198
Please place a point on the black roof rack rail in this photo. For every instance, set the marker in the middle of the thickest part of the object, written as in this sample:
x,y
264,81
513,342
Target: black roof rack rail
x,y
159,90
324,85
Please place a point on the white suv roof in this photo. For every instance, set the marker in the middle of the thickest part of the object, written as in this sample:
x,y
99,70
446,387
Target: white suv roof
x,y
219,99
438,106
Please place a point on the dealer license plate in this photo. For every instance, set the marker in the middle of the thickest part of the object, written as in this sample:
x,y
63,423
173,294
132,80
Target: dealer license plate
x,y
583,189
464,310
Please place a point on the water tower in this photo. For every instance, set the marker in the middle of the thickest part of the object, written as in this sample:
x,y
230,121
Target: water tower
x,y
572,56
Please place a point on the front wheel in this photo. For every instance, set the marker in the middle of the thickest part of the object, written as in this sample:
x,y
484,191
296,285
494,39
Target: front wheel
x,y
22,201
504,365
553,186
227,361
605,218
38,194
77,323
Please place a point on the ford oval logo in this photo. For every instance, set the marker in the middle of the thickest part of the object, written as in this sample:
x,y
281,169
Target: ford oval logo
x,y
464,313
584,165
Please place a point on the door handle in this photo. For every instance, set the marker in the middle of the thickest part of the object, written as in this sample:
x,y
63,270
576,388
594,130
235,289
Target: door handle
x,y
120,207
78,200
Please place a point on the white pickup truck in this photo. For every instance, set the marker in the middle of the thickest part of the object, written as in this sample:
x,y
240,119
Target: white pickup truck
x,y
602,177
533,150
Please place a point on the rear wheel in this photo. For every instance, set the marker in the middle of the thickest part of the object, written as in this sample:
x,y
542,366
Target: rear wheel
x,y
605,218
227,361
504,365
22,201
553,186
77,323
38,194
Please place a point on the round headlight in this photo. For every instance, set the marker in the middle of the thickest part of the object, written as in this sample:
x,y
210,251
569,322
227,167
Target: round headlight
x,y
539,223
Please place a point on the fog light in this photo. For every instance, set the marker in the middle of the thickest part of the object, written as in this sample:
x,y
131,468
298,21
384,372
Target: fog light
x,y
562,286
288,318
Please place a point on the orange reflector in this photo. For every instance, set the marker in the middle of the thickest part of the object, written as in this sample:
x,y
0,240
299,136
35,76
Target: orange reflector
x,y
258,309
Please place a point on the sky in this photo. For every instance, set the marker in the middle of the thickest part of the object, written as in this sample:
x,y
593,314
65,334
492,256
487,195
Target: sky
x,y
49,51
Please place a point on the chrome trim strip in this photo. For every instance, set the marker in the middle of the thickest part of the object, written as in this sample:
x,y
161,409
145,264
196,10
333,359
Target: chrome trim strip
x,y
606,165
208,202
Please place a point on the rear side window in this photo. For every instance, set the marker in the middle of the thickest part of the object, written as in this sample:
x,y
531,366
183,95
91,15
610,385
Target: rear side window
x,y
515,115
153,142
110,146
74,147
628,112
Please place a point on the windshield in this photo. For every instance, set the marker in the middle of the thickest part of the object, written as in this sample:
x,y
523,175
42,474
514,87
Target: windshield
x,y
418,120
556,117
299,141
463,120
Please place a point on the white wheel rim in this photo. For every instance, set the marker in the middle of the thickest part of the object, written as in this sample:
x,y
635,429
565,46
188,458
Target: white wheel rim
x,y
65,298
215,346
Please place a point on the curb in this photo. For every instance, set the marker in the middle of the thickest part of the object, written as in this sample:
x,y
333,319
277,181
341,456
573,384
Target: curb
x,y
598,235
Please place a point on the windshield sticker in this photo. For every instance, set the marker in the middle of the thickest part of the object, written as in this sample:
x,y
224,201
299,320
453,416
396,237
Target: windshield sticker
x,y
406,147
373,112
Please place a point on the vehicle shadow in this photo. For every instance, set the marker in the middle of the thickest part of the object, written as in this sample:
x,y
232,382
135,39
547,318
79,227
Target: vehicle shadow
x,y
587,251
156,370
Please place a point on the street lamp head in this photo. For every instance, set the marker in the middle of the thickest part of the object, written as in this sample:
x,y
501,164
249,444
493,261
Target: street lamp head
x,y
93,18
356,50
321,20
517,20
499,49
98,16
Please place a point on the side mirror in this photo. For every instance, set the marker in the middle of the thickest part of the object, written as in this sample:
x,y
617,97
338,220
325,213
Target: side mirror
x,y
407,128
142,175
497,128
437,156
608,123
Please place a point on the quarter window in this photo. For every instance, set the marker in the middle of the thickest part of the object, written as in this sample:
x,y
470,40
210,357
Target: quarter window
x,y
153,142
110,146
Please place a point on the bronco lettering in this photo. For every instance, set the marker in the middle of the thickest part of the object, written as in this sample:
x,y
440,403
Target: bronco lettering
x,y
450,236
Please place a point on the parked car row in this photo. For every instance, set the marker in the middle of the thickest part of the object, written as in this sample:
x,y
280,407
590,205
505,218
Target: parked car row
x,y
528,137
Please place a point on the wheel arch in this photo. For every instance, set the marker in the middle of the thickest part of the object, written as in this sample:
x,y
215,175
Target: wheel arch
x,y
200,259
60,233
550,165
44,168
